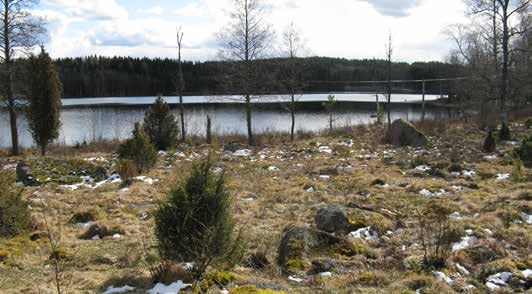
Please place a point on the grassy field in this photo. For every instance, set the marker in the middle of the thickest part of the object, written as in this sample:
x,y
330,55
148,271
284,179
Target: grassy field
x,y
283,184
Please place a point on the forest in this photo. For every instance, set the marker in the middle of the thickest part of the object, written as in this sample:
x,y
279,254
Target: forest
x,y
97,76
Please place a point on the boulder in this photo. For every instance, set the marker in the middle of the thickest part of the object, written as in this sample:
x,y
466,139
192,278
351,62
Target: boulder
x,y
333,219
403,133
23,173
299,243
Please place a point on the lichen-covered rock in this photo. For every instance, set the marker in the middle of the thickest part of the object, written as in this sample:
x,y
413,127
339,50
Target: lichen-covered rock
x,y
403,133
333,219
300,243
23,173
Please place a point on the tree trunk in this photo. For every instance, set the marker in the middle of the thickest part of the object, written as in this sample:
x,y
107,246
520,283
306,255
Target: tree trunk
x,y
505,65
182,116
251,140
292,112
330,122
209,138
43,150
8,81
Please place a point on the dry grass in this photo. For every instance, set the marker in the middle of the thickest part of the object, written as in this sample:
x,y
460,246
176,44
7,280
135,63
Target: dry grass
x,y
281,200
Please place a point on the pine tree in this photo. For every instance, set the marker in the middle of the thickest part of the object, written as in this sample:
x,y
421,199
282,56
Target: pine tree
x,y
160,125
44,95
139,150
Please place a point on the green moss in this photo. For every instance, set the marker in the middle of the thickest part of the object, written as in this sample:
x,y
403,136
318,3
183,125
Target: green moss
x,y
218,278
4,255
251,289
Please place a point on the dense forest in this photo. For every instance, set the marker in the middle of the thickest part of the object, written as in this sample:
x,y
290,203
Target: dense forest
x,y
96,76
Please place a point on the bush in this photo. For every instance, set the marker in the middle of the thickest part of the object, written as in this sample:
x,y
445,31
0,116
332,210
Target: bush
x,y
504,133
160,125
525,151
436,233
84,216
127,171
139,150
195,223
489,143
14,214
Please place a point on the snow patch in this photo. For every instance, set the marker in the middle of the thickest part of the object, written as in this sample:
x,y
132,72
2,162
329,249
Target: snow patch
x,y
442,277
174,288
112,289
465,243
364,233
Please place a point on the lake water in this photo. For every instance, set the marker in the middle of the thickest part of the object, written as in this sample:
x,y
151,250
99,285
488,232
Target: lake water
x,y
92,119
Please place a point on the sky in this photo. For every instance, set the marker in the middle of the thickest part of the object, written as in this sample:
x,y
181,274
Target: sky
x,y
336,28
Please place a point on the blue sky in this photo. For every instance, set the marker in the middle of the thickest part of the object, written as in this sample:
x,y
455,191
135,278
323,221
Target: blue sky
x,y
338,28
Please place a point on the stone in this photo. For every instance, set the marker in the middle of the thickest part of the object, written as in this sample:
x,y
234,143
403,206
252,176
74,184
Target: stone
x,y
298,243
403,133
23,173
322,265
332,219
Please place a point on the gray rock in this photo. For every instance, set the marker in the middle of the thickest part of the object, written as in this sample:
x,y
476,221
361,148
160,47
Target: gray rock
x,y
403,133
23,173
298,243
332,219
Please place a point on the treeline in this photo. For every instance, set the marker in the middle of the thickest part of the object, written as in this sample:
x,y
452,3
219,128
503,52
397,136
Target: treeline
x,y
97,76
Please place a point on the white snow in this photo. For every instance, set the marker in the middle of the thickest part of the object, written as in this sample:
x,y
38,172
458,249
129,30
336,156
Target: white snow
x,y
112,289
527,273
242,153
491,156
96,238
462,269
442,277
294,279
456,215
325,149
428,193
497,280
117,236
364,233
170,289
503,176
423,168
146,180
85,225
325,274
527,217
468,173
310,190
465,243
273,169
325,177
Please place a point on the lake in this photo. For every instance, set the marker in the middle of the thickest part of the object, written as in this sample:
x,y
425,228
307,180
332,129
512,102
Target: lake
x,y
89,119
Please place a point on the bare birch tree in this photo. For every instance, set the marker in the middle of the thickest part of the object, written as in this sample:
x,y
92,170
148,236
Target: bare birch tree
x,y
244,41
292,48
181,86
20,31
495,26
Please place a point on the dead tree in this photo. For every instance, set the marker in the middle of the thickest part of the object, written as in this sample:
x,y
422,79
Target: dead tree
x,y
20,32
244,41
181,86
389,53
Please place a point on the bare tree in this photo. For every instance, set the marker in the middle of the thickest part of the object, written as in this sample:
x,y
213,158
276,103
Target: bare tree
x,y
244,41
20,32
181,86
494,26
292,46
389,54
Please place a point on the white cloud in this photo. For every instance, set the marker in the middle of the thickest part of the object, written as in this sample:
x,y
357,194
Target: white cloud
x,y
153,10
90,9
349,28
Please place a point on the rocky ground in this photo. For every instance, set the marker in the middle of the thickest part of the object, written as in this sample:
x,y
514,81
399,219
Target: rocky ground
x,y
329,214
